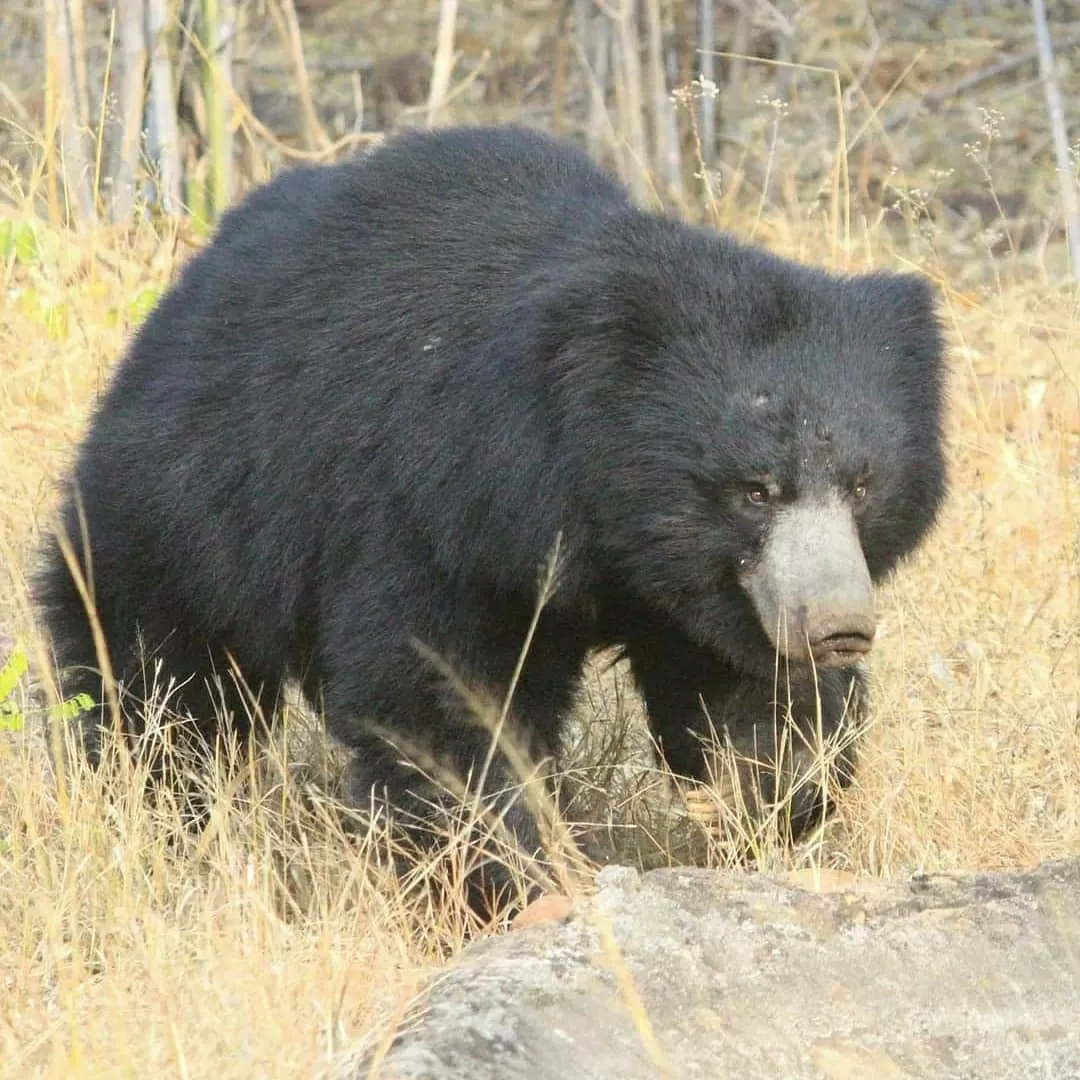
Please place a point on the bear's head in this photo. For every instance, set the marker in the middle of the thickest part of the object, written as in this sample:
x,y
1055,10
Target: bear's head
x,y
763,440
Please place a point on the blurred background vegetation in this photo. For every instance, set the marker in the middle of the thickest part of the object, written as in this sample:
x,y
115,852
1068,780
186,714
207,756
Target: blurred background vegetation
x,y
895,113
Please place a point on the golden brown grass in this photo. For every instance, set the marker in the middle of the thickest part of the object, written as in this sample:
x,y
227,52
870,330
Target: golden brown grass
x,y
261,949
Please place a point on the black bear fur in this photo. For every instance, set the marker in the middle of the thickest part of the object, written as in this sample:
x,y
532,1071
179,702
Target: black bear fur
x,y
364,413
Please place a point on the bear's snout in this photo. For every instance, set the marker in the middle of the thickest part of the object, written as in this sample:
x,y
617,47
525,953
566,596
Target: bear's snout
x,y
811,587
837,638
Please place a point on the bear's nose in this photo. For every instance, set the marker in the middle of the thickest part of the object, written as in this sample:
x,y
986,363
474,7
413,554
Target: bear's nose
x,y
839,639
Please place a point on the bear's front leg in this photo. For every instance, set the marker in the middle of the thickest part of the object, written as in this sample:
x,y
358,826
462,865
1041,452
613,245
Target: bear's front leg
x,y
414,687
791,736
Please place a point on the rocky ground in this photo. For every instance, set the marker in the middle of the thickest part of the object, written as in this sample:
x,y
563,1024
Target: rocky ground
x,y
688,973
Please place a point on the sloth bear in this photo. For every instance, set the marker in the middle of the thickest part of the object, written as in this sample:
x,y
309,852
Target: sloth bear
x,y
350,435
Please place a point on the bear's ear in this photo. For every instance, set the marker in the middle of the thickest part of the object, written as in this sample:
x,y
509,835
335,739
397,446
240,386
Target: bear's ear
x,y
904,302
903,311
911,293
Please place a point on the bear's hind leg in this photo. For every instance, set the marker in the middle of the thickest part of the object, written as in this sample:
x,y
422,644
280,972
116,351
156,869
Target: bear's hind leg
x,y
166,672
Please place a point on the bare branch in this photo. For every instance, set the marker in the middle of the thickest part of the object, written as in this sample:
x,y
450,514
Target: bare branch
x,y
934,99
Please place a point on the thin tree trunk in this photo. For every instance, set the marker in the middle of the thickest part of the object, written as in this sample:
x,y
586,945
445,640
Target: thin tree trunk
x,y
1056,109
443,63
558,74
594,45
675,165
124,163
707,75
217,25
250,161
740,45
632,122
666,158
164,136
75,163
81,83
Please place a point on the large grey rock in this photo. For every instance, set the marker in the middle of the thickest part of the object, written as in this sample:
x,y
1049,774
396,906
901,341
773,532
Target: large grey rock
x,y
693,973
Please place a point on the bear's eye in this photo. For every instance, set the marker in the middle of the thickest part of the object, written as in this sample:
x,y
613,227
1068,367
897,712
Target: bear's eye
x,y
757,494
859,494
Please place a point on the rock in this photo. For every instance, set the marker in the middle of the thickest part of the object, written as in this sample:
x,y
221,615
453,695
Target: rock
x,y
695,973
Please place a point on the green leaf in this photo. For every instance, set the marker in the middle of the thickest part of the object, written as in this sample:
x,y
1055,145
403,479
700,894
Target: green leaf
x,y
19,241
11,716
76,706
13,670
11,719
27,249
142,303
56,321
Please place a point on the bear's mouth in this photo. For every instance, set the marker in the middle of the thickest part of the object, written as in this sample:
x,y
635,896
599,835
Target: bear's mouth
x,y
840,650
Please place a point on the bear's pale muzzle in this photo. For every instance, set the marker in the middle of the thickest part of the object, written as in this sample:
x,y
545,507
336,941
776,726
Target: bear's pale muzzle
x,y
811,587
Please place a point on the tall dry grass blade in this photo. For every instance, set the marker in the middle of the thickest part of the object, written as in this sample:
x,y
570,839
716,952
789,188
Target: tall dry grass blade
x,y
99,139
567,861
50,132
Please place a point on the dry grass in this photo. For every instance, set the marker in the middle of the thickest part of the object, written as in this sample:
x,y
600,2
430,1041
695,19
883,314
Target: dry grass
x,y
262,948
